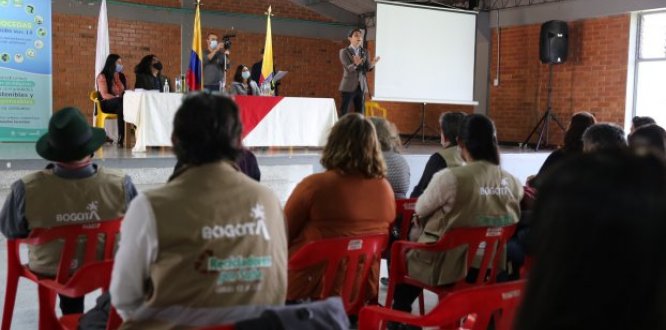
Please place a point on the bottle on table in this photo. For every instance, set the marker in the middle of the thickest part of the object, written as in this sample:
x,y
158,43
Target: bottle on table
x,y
265,89
166,86
179,86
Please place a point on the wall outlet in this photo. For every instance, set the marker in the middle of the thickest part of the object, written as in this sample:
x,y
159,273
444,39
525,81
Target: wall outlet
x,y
496,82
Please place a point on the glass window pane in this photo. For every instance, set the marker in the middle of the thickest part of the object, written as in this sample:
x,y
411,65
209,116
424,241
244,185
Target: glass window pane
x,y
653,36
650,91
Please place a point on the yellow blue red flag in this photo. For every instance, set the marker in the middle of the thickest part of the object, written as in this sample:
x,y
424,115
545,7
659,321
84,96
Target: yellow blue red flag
x,y
267,66
194,72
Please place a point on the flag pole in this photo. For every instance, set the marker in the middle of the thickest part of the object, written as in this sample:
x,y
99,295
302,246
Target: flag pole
x,y
267,62
194,69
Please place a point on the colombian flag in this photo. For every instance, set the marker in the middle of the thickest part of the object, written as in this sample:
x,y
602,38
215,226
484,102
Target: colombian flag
x,y
194,74
267,66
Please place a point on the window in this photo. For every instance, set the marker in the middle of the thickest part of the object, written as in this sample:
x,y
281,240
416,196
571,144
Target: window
x,y
650,88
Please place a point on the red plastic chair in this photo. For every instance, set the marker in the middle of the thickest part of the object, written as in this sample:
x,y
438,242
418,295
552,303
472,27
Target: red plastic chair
x,y
405,208
494,238
90,276
337,252
468,309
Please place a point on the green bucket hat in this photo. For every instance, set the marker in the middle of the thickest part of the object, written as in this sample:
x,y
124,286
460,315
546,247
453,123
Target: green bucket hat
x,y
69,137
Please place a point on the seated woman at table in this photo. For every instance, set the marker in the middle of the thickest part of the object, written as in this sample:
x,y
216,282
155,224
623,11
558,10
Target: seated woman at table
x,y
111,85
352,197
149,74
242,84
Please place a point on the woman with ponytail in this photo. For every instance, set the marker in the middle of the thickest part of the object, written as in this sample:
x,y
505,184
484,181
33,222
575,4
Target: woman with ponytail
x,y
478,194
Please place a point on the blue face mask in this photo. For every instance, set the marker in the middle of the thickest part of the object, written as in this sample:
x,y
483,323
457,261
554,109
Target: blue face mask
x,y
119,68
213,44
246,74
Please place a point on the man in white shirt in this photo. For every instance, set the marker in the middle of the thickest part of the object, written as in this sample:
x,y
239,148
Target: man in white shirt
x,y
210,246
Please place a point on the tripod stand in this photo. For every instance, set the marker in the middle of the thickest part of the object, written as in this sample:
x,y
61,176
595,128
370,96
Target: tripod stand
x,y
542,125
422,128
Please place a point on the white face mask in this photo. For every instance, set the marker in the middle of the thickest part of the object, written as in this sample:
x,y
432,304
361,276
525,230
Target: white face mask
x,y
213,44
246,74
119,68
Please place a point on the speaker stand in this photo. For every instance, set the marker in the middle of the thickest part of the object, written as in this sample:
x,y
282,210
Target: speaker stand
x,y
542,125
422,128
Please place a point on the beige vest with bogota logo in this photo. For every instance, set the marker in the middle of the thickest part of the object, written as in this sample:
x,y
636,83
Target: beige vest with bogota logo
x,y
486,196
52,201
452,156
222,251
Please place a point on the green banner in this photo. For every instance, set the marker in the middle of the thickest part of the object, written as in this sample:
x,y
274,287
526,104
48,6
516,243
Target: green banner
x,y
26,95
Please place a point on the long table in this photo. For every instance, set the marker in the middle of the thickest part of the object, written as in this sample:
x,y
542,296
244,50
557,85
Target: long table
x,y
267,121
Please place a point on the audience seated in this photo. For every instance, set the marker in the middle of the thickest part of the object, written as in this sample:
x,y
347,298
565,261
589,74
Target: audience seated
x,y
449,156
599,260
71,190
602,137
573,142
573,146
352,197
111,85
648,138
246,162
149,74
210,246
639,121
478,194
397,169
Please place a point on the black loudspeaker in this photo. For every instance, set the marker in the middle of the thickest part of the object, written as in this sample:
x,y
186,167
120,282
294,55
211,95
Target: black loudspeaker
x,y
554,42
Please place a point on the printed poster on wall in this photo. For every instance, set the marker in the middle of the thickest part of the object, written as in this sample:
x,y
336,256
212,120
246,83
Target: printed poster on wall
x,y
25,69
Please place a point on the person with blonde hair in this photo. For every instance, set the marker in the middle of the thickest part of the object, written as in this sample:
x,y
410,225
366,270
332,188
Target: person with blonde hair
x,y
351,197
397,169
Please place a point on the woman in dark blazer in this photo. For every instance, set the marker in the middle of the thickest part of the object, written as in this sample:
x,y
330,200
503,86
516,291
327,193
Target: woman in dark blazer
x,y
149,74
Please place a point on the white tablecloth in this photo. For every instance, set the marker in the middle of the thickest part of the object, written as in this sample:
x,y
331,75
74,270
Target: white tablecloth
x,y
294,121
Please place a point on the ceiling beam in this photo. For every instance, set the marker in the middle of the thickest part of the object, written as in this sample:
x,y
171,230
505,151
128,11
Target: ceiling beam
x,y
326,8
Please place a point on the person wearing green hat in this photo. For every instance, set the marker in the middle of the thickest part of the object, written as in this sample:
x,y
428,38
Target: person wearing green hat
x,y
70,190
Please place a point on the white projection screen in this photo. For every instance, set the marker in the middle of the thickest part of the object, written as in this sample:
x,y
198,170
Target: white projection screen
x,y
427,54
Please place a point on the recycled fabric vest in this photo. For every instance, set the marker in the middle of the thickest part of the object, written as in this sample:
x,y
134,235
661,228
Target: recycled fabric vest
x,y
486,196
222,250
52,201
452,156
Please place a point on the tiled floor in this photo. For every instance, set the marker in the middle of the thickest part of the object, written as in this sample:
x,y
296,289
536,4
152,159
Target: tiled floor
x,y
281,170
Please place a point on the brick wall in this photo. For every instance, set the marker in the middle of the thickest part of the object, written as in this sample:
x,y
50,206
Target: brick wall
x,y
313,64
162,3
593,79
74,40
281,8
